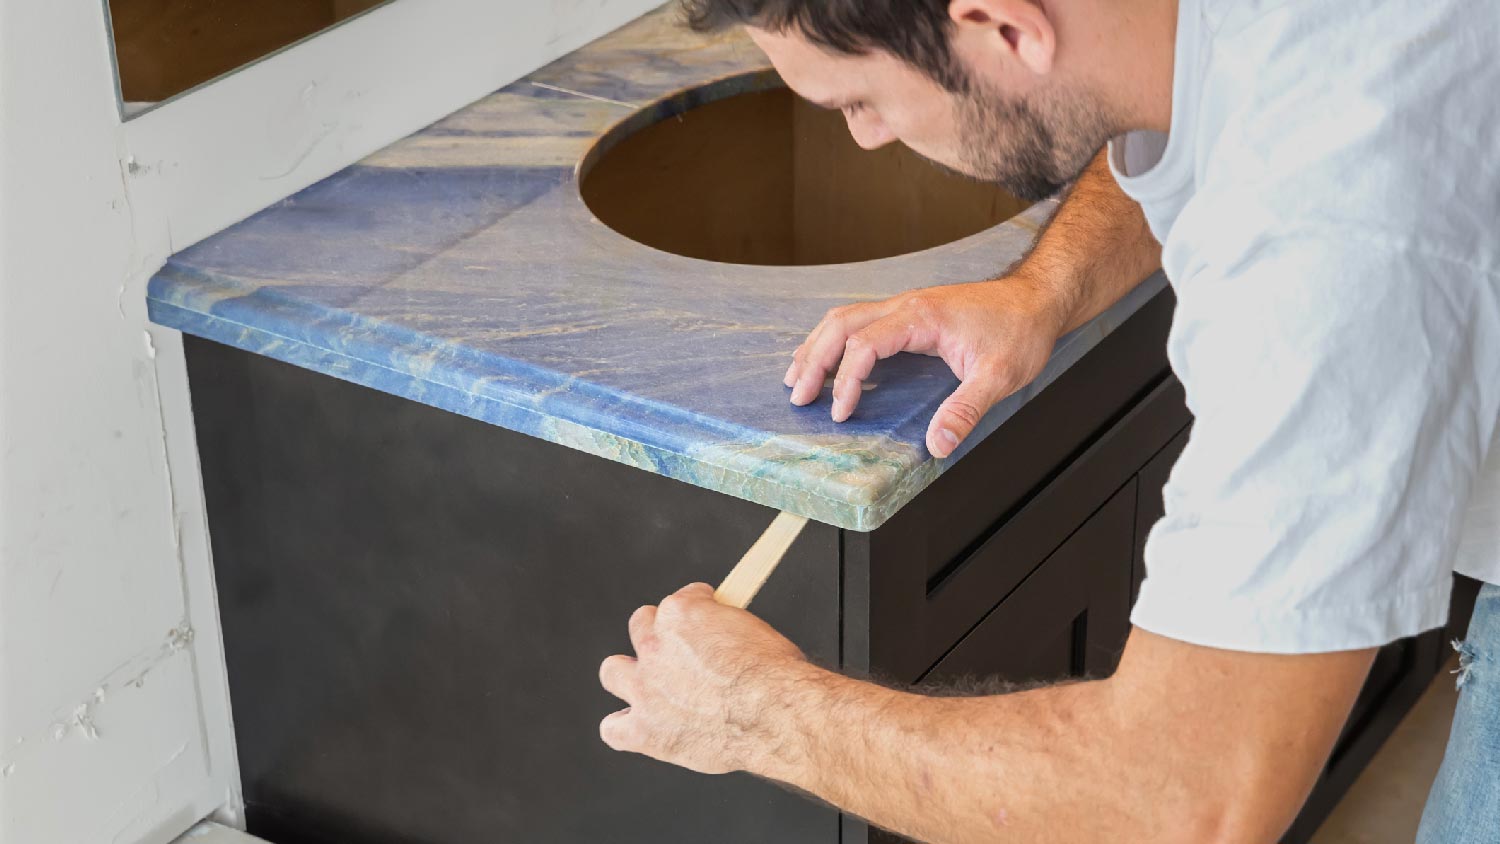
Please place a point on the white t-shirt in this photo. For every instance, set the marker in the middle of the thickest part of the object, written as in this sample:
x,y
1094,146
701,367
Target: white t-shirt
x,y
1328,200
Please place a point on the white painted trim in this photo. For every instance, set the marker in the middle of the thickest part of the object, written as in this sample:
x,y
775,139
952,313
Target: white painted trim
x,y
209,832
114,713
221,152
130,110
199,591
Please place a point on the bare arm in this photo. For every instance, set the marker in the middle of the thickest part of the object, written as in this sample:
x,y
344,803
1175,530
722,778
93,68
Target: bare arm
x,y
995,335
1096,248
1184,743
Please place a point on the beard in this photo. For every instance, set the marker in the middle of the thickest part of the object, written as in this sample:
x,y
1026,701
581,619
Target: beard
x,y
1030,147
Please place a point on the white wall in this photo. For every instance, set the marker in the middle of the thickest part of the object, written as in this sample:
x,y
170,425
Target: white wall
x,y
114,719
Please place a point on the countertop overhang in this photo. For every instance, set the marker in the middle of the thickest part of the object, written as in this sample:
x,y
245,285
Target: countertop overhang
x,y
460,268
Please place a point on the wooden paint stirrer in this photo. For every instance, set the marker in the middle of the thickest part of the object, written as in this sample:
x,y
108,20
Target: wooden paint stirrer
x,y
750,573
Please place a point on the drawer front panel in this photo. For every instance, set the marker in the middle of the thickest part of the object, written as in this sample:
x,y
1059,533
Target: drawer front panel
x,y
915,618
1066,619
1016,462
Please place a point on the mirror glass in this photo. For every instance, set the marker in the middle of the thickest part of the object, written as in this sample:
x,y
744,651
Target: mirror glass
x,y
165,47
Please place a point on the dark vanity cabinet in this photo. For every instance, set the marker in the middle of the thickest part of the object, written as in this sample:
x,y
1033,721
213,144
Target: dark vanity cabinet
x,y
415,603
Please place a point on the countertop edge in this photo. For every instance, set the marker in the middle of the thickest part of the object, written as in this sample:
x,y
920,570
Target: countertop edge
x,y
687,467
532,422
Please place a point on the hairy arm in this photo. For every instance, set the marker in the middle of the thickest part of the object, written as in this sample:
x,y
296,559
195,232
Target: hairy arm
x,y
1184,743
995,335
1096,248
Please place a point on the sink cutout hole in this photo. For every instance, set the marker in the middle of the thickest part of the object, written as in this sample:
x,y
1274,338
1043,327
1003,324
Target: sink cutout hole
x,y
763,177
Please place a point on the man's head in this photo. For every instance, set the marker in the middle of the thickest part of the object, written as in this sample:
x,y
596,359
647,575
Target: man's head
x,y
975,85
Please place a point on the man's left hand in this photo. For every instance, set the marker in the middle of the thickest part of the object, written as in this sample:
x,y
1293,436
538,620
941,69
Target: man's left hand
x,y
700,684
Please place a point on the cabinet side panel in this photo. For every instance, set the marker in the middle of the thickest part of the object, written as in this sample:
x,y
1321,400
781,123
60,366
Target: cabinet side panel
x,y
415,606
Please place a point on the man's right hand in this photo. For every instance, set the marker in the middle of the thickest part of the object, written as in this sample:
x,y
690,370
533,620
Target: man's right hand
x,y
996,336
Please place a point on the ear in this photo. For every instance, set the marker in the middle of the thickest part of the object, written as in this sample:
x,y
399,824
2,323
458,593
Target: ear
x,y
1018,27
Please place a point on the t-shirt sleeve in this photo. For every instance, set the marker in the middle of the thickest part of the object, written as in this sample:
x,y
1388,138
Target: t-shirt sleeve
x,y
1345,393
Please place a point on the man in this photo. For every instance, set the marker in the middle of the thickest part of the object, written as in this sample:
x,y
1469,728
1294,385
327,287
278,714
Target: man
x,y
1320,182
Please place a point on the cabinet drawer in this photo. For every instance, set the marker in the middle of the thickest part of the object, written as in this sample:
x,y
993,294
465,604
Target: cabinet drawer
x,y
916,617
1025,454
1068,618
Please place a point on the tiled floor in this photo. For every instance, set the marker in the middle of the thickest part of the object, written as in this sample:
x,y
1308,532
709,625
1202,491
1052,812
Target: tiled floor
x,y
1385,804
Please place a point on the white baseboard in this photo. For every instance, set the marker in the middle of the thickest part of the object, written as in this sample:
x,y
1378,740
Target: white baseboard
x,y
209,832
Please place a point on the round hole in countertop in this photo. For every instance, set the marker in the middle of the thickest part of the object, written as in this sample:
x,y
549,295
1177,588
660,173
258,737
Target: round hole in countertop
x,y
760,176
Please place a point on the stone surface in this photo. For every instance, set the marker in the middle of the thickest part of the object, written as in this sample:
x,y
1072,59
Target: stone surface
x,y
459,267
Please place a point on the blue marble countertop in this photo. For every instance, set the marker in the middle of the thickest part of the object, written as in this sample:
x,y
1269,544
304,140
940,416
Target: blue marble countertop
x,y
459,268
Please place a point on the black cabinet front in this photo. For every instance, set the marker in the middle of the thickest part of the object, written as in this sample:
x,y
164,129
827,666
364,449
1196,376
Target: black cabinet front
x,y
1066,619
415,604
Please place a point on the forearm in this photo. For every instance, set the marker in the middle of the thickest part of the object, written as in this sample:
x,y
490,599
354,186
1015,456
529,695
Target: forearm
x,y
1096,248
1040,765
1182,744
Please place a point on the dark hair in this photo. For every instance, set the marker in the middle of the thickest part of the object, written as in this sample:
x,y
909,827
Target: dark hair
x,y
915,31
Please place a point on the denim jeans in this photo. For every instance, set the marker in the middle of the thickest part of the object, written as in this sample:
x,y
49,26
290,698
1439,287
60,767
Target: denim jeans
x,y
1464,806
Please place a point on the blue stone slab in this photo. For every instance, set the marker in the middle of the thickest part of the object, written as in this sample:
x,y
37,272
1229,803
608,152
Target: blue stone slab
x,y
459,268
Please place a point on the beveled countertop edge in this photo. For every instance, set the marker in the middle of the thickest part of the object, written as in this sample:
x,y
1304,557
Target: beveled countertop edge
x,y
798,494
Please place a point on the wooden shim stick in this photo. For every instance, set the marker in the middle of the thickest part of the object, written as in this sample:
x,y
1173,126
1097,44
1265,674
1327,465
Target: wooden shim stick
x,y
750,573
